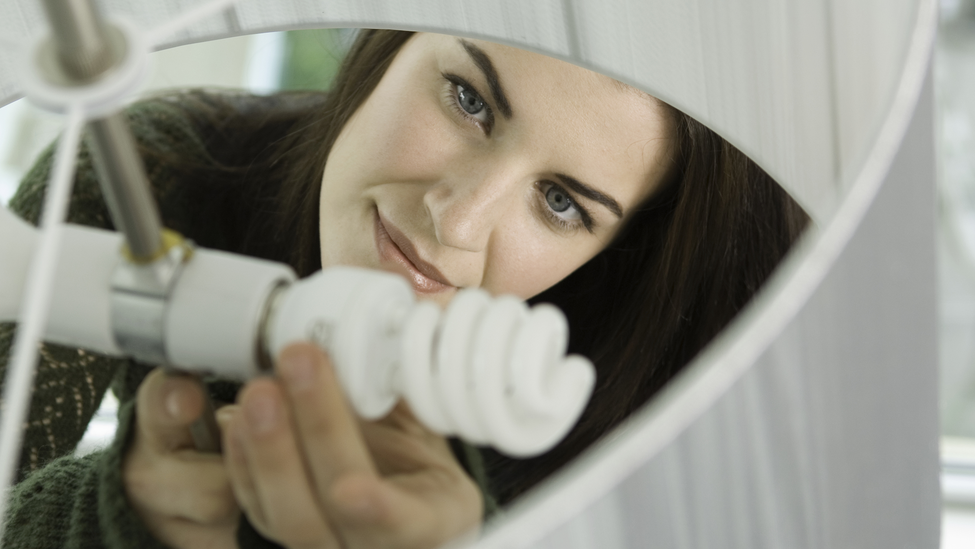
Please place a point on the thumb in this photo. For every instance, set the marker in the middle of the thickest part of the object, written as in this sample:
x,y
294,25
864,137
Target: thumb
x,y
167,403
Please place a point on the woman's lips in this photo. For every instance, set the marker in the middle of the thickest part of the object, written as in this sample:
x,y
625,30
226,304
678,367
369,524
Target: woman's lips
x,y
393,246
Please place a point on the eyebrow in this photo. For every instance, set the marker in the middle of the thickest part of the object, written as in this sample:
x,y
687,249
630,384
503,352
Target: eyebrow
x,y
483,62
592,194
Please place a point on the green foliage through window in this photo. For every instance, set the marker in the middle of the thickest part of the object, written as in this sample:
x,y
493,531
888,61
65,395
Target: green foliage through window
x,y
312,57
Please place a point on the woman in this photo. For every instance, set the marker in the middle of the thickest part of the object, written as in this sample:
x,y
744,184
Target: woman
x,y
455,163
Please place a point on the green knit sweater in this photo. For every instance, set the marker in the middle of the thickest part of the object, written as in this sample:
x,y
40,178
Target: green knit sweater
x,y
63,501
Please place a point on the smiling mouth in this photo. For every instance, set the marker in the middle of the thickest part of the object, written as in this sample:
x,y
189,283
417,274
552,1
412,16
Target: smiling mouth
x,y
394,247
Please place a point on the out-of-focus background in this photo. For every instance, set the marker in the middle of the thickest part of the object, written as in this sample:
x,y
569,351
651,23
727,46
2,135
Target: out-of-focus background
x,y
955,97
308,59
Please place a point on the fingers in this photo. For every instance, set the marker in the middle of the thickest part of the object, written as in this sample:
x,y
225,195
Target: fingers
x,y
423,499
289,444
188,485
411,511
183,496
428,498
327,426
268,472
399,444
166,406
304,468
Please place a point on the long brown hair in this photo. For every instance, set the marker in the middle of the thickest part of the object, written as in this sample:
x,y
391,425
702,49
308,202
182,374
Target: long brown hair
x,y
681,269
689,261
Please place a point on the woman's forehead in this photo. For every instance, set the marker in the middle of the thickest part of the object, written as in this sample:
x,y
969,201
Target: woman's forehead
x,y
514,58
610,134
520,58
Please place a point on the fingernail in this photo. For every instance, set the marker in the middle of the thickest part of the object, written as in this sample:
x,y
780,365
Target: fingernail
x,y
225,414
173,403
262,413
298,370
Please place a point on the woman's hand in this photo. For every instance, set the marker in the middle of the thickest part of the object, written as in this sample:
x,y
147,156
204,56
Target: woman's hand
x,y
309,474
183,496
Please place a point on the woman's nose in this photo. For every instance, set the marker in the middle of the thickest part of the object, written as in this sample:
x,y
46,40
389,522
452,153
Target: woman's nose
x,y
467,210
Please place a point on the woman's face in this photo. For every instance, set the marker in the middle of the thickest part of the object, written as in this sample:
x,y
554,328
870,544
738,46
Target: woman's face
x,y
479,165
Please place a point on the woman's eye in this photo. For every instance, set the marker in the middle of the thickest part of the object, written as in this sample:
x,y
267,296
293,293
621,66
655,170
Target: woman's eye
x,y
469,101
469,104
559,201
562,210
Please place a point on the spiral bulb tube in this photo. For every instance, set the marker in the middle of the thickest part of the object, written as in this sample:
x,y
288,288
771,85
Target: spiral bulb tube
x,y
489,370
493,371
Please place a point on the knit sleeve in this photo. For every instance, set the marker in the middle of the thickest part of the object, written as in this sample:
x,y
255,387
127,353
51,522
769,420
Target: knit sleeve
x,y
68,388
78,502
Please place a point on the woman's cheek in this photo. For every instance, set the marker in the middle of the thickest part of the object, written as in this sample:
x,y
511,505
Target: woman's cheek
x,y
415,145
526,267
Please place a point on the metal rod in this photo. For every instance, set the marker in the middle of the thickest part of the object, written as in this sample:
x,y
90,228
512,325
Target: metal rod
x,y
85,52
125,186
82,43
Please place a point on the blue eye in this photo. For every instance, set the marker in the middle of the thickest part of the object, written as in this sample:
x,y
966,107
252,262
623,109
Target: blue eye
x,y
557,199
469,100
468,103
561,209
